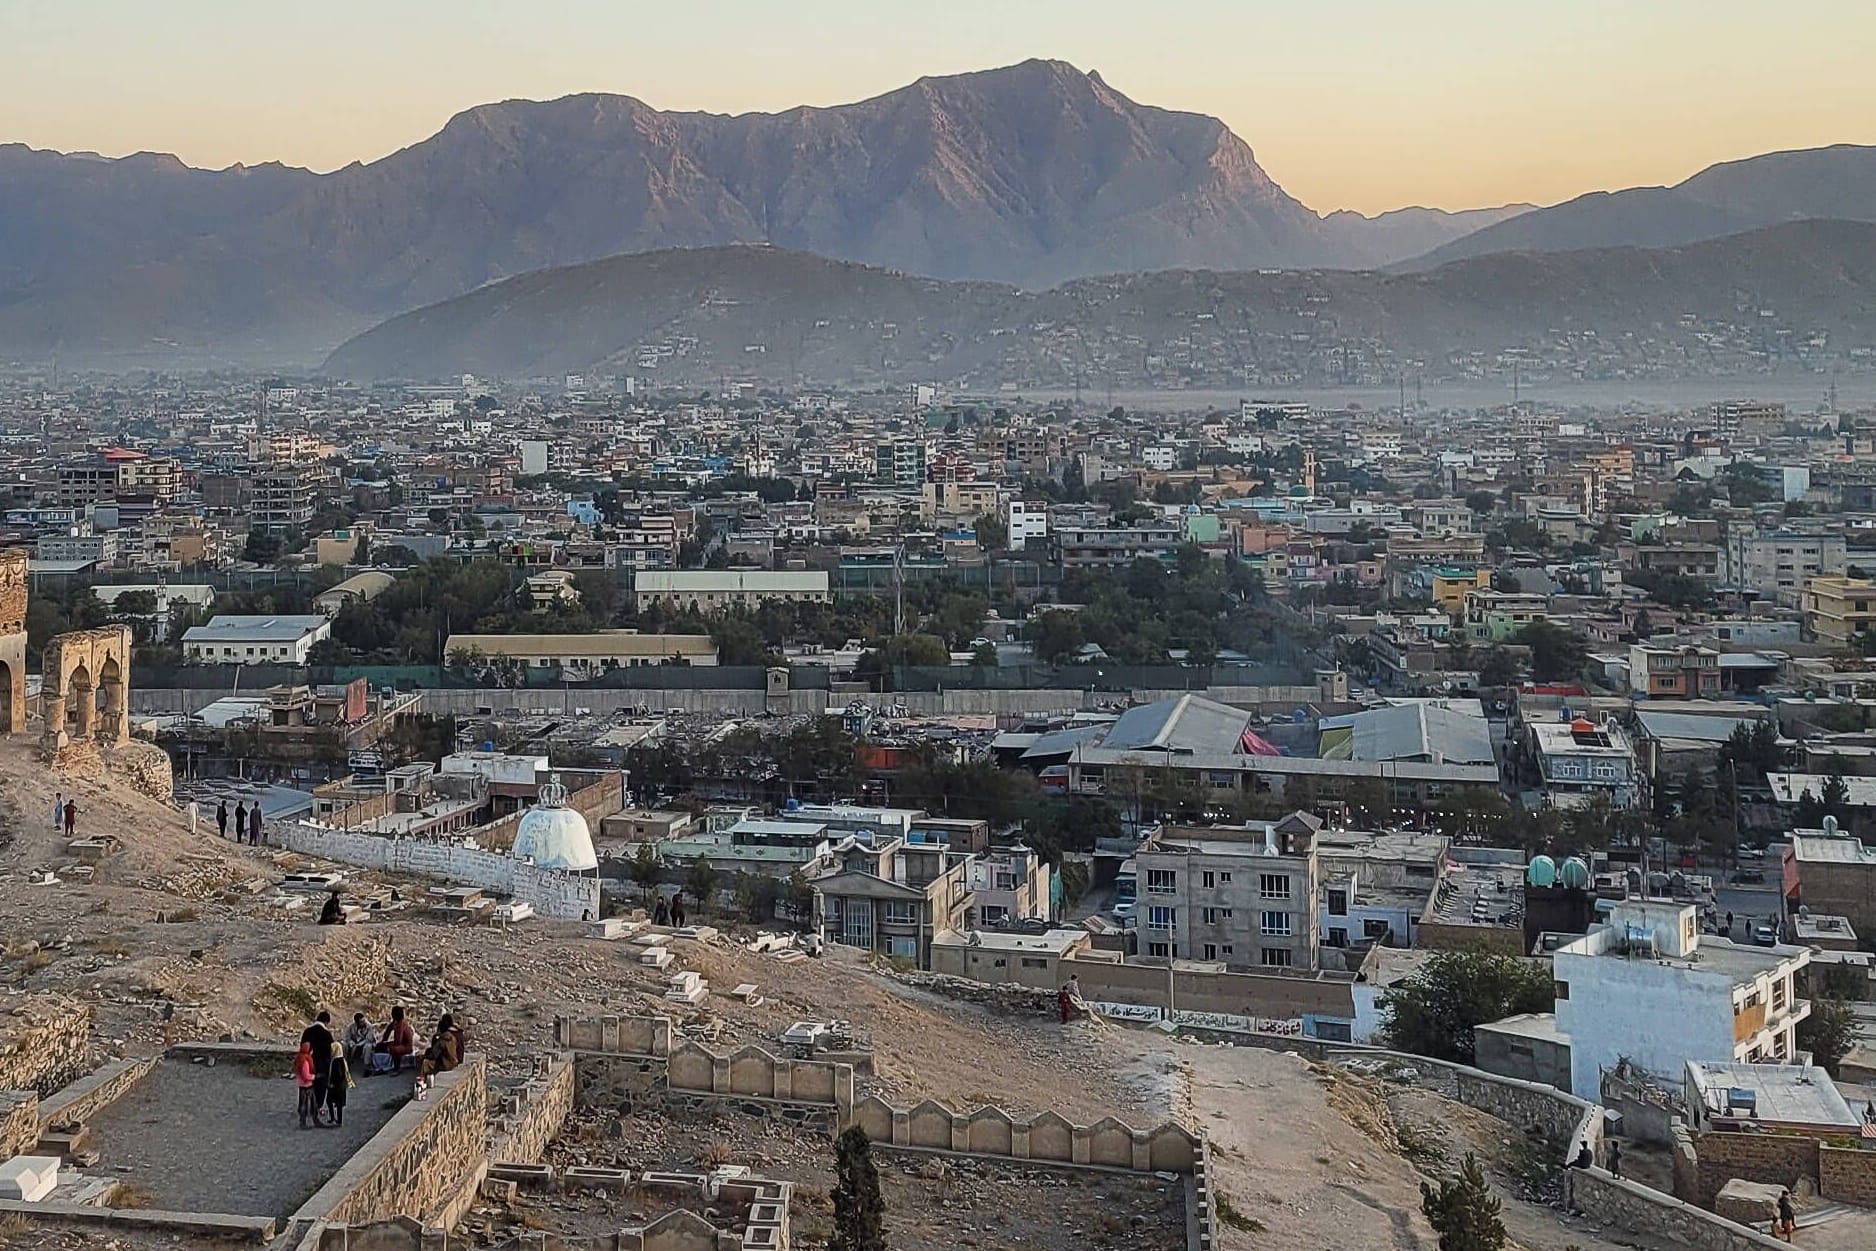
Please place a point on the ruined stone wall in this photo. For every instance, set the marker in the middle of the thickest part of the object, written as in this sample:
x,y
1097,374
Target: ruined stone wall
x,y
146,768
45,1042
92,1093
420,1162
347,965
13,640
19,1122
525,1120
1622,1204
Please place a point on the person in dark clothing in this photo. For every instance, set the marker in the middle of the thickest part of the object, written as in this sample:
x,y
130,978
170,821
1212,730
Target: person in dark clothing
x,y
334,912
71,817
221,817
319,1035
1615,1158
254,826
661,915
1584,1157
338,1081
446,1048
241,823
677,910
1787,1226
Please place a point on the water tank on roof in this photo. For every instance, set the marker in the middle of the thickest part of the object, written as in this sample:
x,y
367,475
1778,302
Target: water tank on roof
x,y
1542,871
791,805
1830,826
1582,725
1574,874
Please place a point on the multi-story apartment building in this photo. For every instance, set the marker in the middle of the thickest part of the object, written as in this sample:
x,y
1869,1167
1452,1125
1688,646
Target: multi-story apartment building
x,y
75,486
1579,759
1686,672
1012,884
1649,989
901,461
285,495
1116,546
156,477
1836,610
1776,563
1495,616
892,897
646,541
1026,520
1242,895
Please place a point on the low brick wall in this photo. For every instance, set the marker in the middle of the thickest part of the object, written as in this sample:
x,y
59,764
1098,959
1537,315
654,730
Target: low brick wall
x,y
419,1163
1847,1175
89,1095
45,1041
1623,1204
1776,1159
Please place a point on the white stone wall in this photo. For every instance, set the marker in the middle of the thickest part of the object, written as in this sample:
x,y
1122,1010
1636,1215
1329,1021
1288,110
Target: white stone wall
x,y
551,892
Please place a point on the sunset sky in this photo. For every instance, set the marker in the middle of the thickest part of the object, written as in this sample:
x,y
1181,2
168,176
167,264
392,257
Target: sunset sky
x,y
1364,104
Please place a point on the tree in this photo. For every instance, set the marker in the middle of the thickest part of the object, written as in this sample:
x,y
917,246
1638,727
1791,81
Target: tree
x,y
1808,814
1557,654
645,868
859,1209
1463,1211
1836,796
262,547
1482,502
1435,1010
700,883
1499,668
800,896
992,534
1828,1033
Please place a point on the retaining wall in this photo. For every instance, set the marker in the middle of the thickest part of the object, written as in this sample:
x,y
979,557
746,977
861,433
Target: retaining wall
x,y
1046,1137
551,892
527,1119
420,1163
94,1092
1623,1204
45,1041
19,1122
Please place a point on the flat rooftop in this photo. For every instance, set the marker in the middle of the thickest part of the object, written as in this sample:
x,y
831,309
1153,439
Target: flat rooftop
x,y
1796,1093
1538,1026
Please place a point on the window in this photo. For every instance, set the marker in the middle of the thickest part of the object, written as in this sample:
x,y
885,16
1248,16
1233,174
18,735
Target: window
x,y
906,948
1160,918
1335,1031
1275,957
1161,881
1560,990
1208,879
1374,929
1214,915
1276,923
1779,993
1338,937
1338,902
901,912
1274,885
1211,951
1225,951
1225,878
1031,962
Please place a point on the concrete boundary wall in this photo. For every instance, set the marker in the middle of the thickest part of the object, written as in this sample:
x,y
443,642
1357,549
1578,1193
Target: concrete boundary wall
x,y
524,1121
570,896
94,1092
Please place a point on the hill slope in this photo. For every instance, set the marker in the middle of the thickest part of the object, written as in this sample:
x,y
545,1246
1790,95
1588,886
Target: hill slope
x,y
697,316
1033,174
1815,183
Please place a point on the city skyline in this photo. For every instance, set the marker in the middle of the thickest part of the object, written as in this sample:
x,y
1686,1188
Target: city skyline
x,y
1378,108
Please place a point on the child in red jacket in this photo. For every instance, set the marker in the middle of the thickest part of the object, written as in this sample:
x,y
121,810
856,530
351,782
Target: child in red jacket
x,y
303,1074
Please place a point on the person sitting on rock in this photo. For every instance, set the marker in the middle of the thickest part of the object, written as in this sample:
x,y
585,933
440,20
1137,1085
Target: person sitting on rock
x,y
334,911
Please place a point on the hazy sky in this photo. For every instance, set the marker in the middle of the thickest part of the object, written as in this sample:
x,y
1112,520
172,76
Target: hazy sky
x,y
1366,104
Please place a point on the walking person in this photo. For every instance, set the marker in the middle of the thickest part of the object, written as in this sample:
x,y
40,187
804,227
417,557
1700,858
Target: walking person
x,y
221,817
71,817
303,1075
241,823
1787,1225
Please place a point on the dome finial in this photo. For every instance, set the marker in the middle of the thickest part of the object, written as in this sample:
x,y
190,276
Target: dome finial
x,y
553,794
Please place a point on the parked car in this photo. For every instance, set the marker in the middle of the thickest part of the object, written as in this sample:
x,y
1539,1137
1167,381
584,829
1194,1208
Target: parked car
x,y
1764,936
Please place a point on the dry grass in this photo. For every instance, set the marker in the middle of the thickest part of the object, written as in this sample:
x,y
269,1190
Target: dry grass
x,y
131,1195
715,1154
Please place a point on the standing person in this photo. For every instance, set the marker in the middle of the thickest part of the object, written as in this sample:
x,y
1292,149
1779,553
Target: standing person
x,y
677,910
58,811
1729,925
661,915
71,817
319,1036
221,817
1615,1158
1787,1227
303,1075
399,1039
241,823
254,824
338,1082
195,813
1061,1003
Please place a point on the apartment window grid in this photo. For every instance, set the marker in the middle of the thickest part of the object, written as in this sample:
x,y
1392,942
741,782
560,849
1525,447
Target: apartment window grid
x,y
1161,881
1274,885
1160,917
1276,924
1275,957
1214,915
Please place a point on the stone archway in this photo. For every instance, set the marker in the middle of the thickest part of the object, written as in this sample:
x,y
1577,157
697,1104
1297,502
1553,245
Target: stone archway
x,y
12,640
78,667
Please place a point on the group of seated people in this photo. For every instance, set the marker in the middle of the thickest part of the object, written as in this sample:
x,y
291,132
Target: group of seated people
x,y
390,1049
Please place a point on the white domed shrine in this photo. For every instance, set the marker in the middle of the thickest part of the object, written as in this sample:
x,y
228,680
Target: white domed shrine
x,y
553,835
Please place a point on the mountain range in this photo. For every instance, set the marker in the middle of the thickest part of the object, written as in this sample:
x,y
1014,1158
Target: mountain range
x,y
1033,174
695,316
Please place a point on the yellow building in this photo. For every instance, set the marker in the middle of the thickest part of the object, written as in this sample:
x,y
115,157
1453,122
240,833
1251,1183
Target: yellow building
x,y
1451,586
1836,610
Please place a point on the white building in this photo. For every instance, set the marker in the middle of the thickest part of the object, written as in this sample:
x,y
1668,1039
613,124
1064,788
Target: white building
x,y
243,639
1160,457
1026,520
1648,988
